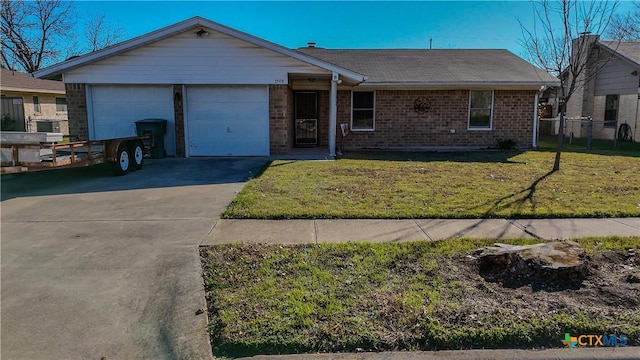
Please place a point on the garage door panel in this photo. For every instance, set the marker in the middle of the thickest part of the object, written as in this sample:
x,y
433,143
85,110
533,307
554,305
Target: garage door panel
x,y
226,121
116,108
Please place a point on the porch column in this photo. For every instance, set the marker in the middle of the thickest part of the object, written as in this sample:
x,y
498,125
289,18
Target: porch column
x,y
535,121
333,109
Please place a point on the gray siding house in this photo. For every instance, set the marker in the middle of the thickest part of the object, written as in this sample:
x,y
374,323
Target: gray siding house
x,y
612,96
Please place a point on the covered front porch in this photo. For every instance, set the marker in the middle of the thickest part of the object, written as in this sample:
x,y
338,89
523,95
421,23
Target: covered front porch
x,y
307,125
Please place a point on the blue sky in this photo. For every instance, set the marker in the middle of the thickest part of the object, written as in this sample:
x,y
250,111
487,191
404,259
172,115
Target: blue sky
x,y
364,24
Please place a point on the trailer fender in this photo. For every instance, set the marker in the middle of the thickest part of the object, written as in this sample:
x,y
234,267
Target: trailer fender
x,y
111,149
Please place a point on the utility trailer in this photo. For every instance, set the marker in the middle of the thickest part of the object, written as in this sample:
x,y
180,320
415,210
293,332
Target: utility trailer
x,y
23,152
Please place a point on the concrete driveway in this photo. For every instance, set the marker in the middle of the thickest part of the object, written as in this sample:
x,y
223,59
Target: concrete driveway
x,y
100,266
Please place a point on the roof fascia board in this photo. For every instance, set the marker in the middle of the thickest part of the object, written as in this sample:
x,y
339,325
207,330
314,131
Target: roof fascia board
x,y
26,90
118,48
462,85
617,54
184,26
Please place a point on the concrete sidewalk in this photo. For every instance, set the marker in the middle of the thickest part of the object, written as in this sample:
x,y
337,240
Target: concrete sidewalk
x,y
326,231
508,354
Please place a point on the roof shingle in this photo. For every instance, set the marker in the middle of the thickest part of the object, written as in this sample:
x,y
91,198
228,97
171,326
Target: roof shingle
x,y
17,81
437,66
628,49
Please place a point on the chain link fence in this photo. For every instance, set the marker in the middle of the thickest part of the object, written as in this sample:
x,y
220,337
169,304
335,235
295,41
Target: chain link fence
x,y
587,132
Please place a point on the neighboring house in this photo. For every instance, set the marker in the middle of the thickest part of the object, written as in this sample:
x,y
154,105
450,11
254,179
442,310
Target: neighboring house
x,y
611,97
225,92
30,104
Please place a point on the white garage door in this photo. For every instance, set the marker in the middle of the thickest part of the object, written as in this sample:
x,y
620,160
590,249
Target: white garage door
x,y
228,121
116,108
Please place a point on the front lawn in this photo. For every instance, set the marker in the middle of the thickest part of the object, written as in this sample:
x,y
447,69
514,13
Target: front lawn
x,y
266,299
455,185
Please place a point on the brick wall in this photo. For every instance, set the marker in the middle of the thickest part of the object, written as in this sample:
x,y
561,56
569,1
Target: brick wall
x,y
323,118
178,116
280,118
397,124
77,111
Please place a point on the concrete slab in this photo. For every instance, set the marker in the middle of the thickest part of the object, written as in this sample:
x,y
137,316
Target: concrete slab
x,y
632,222
100,266
262,231
551,229
439,229
368,230
191,202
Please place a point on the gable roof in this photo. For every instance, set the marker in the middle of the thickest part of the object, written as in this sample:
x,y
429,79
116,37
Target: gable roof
x,y
23,82
189,24
627,50
437,67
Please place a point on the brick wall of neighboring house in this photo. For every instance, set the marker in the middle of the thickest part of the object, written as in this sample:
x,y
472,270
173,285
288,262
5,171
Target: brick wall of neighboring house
x,y
77,111
178,116
280,118
398,125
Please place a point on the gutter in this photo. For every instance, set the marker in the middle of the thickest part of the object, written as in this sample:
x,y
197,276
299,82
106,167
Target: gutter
x,y
463,85
37,91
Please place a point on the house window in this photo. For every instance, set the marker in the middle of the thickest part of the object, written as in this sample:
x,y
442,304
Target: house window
x,y
36,104
362,114
61,104
611,110
480,109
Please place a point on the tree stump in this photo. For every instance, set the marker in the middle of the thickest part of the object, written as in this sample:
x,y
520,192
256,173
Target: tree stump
x,y
554,265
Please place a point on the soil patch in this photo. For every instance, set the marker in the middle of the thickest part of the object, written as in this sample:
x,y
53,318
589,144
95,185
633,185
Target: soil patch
x,y
265,299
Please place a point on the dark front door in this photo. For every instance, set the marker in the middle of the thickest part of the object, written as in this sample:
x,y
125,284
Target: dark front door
x,y
12,114
306,118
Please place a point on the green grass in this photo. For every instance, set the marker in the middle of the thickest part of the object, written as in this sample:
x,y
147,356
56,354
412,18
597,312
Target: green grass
x,y
266,299
437,185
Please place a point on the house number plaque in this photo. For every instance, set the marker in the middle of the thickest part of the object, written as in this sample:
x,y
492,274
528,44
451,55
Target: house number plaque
x,y
421,105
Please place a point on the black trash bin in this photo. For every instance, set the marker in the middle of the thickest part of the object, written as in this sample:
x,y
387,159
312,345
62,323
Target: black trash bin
x,y
156,128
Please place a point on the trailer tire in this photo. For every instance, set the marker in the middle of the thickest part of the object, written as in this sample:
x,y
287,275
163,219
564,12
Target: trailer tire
x,y
137,155
123,161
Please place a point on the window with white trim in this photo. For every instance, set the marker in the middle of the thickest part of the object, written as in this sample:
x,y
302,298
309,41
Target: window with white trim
x,y
480,109
362,110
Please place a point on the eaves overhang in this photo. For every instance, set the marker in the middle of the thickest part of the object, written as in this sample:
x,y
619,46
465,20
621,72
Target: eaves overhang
x,y
460,85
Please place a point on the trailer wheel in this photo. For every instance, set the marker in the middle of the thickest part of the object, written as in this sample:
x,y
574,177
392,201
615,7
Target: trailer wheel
x,y
137,155
122,164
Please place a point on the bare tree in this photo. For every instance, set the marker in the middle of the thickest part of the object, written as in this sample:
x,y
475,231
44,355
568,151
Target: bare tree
x,y
626,27
38,33
34,32
99,33
554,44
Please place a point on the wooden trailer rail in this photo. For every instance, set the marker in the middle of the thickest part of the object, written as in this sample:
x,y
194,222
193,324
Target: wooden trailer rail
x,y
44,156
81,153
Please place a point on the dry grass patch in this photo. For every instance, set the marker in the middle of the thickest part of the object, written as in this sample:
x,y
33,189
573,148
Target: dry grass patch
x,y
266,299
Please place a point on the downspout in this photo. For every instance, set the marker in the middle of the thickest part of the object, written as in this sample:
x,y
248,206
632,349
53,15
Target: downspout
x,y
635,130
